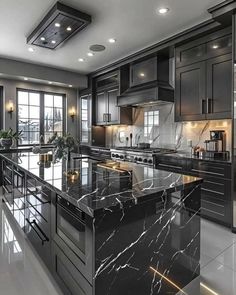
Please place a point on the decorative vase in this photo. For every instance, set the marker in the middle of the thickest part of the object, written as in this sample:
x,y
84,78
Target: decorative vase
x,y
6,142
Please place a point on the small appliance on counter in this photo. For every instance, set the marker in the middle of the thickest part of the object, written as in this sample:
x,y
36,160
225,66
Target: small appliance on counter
x,y
216,145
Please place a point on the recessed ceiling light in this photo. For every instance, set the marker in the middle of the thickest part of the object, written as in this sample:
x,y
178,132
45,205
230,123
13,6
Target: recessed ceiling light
x,y
57,25
49,82
163,10
68,29
70,86
80,59
142,75
26,79
42,39
30,49
90,54
215,46
53,42
112,40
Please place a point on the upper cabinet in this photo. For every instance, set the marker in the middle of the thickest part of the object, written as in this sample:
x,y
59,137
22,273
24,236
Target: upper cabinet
x,y
204,48
106,110
204,79
143,72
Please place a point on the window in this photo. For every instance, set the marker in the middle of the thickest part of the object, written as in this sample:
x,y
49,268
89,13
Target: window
x,y
29,116
151,119
53,115
85,119
39,114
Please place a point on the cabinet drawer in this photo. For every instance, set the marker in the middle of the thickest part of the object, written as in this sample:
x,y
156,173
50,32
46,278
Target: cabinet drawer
x,y
217,188
170,164
67,275
207,168
217,210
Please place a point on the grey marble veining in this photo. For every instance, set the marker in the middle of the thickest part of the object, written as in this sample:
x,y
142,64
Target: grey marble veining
x,y
169,134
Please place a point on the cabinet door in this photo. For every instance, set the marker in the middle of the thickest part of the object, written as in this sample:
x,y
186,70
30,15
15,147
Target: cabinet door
x,y
190,53
113,109
67,275
219,76
101,108
143,72
190,103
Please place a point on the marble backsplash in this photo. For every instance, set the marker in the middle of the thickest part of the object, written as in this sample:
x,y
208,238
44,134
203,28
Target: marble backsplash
x,y
168,134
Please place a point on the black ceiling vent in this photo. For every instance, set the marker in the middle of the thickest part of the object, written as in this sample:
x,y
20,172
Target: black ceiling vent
x,y
59,25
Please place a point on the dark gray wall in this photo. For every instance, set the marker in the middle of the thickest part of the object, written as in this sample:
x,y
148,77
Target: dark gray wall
x,y
9,94
15,68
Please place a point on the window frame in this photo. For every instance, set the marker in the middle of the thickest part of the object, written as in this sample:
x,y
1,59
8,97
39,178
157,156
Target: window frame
x,y
148,135
41,111
88,98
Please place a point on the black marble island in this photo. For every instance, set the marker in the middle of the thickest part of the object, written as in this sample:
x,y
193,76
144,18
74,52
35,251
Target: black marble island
x,y
107,227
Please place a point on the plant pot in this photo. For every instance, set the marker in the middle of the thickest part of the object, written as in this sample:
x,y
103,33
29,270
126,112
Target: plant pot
x,y
6,142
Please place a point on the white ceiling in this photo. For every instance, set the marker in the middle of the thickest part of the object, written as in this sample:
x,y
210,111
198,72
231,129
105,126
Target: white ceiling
x,y
134,23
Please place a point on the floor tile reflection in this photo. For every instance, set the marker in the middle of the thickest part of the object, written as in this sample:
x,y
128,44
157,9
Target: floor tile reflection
x,y
20,271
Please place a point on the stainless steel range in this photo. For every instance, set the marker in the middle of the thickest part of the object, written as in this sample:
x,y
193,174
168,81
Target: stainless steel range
x,y
137,155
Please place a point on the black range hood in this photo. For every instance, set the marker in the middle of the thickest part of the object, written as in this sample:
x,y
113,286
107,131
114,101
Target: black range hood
x,y
153,93
157,90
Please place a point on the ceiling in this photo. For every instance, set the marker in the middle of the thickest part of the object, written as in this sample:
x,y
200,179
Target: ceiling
x,y
133,23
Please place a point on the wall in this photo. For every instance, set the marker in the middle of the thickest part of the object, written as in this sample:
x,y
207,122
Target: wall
x,y
9,94
168,134
14,68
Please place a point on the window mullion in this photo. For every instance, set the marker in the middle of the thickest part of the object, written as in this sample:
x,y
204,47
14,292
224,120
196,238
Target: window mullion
x,y
42,114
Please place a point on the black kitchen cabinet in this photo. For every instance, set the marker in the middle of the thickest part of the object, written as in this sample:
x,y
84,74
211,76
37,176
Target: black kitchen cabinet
x,y
219,87
67,275
143,71
204,78
203,90
101,108
190,92
72,232
107,111
215,189
213,45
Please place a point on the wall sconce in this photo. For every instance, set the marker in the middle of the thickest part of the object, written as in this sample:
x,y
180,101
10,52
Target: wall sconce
x,y
72,114
10,108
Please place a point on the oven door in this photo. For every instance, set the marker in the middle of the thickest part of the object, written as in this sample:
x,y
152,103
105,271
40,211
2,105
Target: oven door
x,y
73,233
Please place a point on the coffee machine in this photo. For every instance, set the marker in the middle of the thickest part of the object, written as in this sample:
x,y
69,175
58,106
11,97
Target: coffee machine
x,y
216,145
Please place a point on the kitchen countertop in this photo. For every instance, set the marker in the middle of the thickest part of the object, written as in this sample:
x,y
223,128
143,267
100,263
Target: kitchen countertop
x,y
102,185
186,155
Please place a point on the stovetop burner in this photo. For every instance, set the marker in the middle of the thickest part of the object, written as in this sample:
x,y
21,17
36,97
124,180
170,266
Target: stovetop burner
x,y
138,155
146,150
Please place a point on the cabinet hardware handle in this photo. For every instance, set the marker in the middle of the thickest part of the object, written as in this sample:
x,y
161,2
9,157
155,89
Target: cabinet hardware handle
x,y
37,197
209,106
170,166
6,189
203,106
203,171
36,229
212,191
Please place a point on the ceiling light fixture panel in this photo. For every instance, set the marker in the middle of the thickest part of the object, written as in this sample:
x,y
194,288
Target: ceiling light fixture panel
x,y
60,24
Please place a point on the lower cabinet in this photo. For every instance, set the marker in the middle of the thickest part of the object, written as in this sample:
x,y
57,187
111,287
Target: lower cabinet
x,y
67,275
216,188
72,231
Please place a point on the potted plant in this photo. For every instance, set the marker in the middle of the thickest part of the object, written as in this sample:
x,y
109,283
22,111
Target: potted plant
x,y
64,145
7,137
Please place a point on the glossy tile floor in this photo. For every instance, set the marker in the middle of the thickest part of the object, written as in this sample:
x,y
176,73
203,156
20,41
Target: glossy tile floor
x,y
22,274
20,271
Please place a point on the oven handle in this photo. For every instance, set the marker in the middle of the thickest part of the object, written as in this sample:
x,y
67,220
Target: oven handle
x,y
36,229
